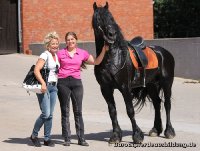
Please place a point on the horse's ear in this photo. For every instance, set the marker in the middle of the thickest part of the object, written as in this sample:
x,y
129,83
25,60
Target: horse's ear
x,y
106,6
95,6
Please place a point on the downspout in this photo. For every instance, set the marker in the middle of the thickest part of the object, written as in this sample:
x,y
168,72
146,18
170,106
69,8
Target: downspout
x,y
19,28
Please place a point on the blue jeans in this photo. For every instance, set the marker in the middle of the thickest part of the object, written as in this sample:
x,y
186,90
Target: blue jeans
x,y
47,103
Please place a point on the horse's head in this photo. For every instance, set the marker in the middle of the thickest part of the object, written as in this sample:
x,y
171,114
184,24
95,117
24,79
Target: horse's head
x,y
104,24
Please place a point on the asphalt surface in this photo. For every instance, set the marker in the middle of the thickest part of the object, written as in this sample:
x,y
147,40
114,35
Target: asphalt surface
x,y
18,112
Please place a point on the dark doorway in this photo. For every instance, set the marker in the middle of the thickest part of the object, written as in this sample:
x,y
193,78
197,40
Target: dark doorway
x,y
8,26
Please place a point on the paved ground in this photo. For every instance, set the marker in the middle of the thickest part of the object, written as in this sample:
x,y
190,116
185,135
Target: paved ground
x,y
18,112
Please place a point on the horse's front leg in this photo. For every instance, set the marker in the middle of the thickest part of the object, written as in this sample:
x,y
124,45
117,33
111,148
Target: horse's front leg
x,y
107,93
138,135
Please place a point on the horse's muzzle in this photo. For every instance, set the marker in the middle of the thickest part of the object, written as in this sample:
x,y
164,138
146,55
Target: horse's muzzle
x,y
110,34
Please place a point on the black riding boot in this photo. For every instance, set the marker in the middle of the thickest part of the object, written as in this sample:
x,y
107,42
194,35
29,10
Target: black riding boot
x,y
82,142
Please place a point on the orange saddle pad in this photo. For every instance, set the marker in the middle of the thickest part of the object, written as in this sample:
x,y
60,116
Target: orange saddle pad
x,y
151,57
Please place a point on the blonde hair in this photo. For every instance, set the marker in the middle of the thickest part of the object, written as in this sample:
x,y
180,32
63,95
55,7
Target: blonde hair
x,y
49,37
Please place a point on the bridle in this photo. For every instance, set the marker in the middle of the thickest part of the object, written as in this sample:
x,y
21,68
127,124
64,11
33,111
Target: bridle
x,y
104,36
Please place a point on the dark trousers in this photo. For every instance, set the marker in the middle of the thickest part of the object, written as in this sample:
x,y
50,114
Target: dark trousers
x,y
71,88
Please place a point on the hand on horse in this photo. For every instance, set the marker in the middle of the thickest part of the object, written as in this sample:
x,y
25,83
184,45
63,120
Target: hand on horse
x,y
105,47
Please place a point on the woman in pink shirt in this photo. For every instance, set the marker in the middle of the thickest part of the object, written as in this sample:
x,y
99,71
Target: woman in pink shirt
x,y
70,85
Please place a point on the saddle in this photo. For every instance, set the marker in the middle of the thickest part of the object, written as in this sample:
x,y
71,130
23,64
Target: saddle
x,y
143,58
141,55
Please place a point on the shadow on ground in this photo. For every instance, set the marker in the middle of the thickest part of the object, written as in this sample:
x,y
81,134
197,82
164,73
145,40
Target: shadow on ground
x,y
101,136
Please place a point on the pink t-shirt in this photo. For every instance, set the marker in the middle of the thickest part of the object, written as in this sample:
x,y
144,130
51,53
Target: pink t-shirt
x,y
70,66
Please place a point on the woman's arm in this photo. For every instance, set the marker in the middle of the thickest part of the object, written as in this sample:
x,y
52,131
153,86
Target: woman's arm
x,y
39,65
96,61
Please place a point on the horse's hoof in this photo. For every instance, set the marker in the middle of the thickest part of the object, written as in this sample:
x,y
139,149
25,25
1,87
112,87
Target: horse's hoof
x,y
138,137
111,141
114,140
170,133
153,132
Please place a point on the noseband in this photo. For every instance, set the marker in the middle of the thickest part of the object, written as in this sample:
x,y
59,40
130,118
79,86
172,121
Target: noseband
x,y
104,36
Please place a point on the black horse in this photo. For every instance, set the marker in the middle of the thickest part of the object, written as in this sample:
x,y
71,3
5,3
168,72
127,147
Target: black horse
x,y
117,72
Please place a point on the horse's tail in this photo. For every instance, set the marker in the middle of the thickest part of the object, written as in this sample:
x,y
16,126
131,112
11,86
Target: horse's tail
x,y
140,97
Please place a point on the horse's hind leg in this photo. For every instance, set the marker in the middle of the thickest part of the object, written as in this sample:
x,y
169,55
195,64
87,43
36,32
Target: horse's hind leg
x,y
108,96
169,131
153,92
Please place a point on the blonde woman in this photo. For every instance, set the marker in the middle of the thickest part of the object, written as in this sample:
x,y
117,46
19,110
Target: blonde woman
x,y
47,99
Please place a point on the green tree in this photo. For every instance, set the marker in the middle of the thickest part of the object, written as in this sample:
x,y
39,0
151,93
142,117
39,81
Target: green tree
x,y
176,18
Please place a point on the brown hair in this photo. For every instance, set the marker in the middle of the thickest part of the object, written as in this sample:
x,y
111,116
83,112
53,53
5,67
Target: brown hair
x,y
72,34
83,66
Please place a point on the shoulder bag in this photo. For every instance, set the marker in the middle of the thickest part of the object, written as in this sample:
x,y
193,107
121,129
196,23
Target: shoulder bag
x,y
31,83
